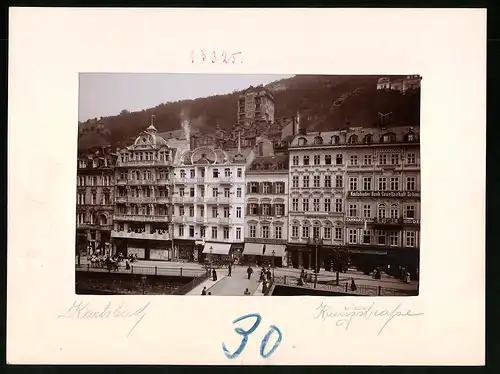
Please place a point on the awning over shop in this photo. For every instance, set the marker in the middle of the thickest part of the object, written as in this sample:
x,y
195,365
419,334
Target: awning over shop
x,y
279,250
217,248
253,249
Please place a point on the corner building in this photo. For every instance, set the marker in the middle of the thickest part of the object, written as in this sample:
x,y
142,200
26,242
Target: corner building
x,y
142,219
355,195
383,199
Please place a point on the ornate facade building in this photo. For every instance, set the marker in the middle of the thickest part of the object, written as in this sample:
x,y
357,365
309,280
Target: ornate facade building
x,y
95,199
266,213
142,219
356,193
208,202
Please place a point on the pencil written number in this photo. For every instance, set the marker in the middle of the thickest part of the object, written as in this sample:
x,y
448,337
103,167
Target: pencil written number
x,y
213,57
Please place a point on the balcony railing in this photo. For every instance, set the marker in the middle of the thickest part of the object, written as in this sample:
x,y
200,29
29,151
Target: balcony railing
x,y
142,235
141,182
200,180
223,200
199,200
162,181
179,219
144,163
180,180
210,199
140,218
225,179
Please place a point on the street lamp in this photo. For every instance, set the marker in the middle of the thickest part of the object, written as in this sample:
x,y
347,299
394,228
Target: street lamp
x,y
316,241
273,262
143,280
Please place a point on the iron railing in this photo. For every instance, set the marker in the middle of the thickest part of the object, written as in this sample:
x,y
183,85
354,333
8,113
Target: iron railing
x,y
146,270
345,287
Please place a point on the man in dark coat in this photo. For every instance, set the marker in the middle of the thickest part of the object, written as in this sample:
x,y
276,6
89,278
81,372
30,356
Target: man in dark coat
x,y
214,274
249,272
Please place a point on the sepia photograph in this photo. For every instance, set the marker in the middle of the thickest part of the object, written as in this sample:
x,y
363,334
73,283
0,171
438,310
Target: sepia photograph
x,y
248,185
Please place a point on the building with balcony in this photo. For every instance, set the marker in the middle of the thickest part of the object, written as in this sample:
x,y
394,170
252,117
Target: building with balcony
x,y
142,224
208,200
95,198
266,212
357,192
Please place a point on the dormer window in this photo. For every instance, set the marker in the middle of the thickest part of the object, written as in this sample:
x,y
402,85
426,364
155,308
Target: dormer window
x,y
368,139
302,141
82,164
411,137
335,139
388,138
353,139
318,140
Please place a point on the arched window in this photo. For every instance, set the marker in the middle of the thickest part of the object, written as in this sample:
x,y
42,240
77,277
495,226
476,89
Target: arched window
x,y
103,220
302,141
394,211
353,139
334,139
368,138
381,211
318,140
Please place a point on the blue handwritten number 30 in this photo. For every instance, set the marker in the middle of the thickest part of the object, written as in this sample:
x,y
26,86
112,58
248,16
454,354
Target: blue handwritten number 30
x,y
246,333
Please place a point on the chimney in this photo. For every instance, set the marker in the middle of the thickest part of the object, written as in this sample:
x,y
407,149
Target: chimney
x,y
302,131
294,121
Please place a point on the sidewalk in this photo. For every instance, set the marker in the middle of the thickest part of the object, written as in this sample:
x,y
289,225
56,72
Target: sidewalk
x,y
208,284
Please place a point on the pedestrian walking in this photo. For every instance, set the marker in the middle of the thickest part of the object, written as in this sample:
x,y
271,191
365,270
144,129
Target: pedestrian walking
x,y
214,274
127,265
204,292
268,274
230,269
408,277
246,293
249,271
353,285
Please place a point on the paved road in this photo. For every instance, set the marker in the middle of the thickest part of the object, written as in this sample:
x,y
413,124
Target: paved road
x,y
234,285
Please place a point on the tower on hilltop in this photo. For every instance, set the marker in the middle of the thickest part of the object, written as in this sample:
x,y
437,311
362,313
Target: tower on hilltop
x,y
255,103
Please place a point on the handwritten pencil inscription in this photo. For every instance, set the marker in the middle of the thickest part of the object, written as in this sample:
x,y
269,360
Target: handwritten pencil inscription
x,y
345,317
204,56
82,310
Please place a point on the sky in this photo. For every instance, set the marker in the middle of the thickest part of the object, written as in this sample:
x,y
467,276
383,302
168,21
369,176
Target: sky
x,y
107,94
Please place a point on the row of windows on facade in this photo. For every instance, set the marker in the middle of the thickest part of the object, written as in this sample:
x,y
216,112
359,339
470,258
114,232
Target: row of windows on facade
x,y
367,139
94,180
380,237
384,183
226,192
138,191
353,209
214,231
163,174
266,187
105,199
226,212
354,160
92,219
149,210
96,162
144,156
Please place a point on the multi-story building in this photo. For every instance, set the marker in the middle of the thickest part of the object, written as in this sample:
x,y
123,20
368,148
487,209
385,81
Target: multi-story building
x,y
383,198
316,200
256,103
266,213
208,202
142,204
95,194
358,192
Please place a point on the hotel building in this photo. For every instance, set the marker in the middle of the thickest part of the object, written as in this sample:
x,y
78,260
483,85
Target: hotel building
x,y
356,192
266,213
142,216
208,199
